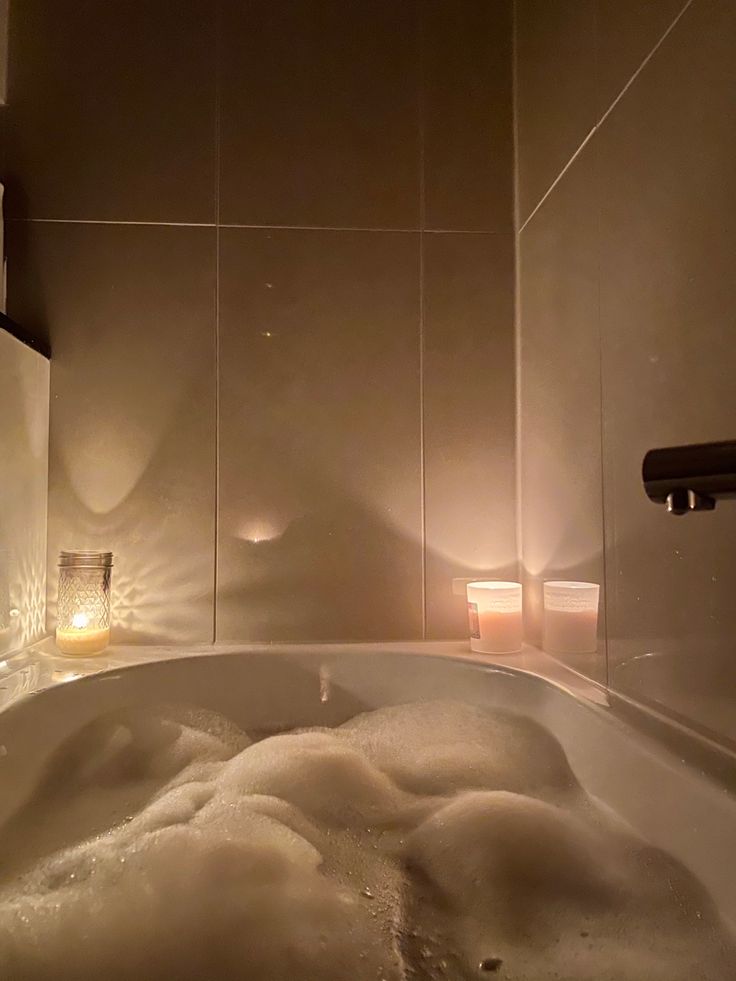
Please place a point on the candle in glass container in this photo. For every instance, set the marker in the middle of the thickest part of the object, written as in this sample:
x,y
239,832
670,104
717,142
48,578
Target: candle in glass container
x,y
571,617
80,638
494,614
83,615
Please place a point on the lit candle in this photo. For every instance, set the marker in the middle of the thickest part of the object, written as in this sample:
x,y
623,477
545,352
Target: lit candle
x,y
83,625
571,617
81,638
494,614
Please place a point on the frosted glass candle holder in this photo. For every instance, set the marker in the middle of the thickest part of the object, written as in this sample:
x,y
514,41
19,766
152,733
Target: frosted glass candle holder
x,y
571,617
494,614
83,612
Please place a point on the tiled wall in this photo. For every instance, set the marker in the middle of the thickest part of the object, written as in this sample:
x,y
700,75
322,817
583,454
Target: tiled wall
x,y
24,443
627,296
272,247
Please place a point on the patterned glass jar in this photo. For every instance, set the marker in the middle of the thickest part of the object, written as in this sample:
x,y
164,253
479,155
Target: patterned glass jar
x,y
83,614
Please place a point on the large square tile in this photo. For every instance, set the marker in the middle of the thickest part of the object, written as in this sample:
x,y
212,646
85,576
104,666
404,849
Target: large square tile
x,y
130,314
469,419
111,110
319,524
467,114
319,113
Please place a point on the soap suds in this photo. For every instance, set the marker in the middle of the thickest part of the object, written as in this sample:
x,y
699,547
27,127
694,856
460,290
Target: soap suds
x,y
431,842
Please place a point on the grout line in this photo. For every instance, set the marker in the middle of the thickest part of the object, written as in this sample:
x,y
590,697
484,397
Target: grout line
x,y
605,115
356,228
602,489
517,303
559,177
601,437
216,522
422,442
103,221
419,7
643,65
294,228
465,231
317,228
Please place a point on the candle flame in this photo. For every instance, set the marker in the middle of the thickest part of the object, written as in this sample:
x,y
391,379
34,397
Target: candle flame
x,y
80,621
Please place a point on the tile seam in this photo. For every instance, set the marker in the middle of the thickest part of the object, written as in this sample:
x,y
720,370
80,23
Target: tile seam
x,y
602,118
295,228
216,521
422,218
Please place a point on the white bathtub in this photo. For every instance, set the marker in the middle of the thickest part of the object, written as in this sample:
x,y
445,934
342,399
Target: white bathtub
x,y
671,804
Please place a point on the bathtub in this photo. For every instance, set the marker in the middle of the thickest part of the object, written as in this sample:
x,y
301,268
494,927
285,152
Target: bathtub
x,y
673,805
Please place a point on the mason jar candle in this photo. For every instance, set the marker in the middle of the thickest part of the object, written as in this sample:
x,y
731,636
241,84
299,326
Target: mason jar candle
x,y
83,613
494,614
571,617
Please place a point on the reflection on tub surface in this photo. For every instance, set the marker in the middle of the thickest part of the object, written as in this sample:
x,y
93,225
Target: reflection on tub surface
x,y
433,840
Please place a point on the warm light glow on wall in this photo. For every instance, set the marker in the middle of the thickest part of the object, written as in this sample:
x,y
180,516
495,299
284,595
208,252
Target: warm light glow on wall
x,y
265,529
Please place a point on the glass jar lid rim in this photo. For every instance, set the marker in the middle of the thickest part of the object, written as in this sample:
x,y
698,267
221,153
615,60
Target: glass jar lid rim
x,y
80,558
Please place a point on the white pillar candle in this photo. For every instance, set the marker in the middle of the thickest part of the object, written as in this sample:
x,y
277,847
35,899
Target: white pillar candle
x,y
571,617
494,614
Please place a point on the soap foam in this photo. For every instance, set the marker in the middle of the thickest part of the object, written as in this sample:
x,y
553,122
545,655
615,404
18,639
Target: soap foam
x,y
428,841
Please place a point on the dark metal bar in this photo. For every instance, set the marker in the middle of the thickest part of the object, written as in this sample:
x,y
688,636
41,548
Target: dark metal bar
x,y
691,478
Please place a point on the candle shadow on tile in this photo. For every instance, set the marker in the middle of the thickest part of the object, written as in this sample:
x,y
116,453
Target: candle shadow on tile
x,y
336,571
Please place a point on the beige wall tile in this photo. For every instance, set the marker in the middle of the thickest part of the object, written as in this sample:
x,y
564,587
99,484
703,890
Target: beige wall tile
x,y
469,419
467,114
319,114
320,525
110,110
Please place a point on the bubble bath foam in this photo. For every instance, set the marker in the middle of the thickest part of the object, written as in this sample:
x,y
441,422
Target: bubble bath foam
x,y
438,839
